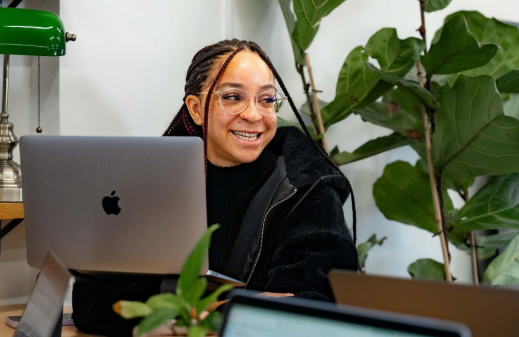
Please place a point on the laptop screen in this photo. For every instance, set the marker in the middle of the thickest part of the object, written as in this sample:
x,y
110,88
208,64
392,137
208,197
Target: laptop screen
x,y
247,315
248,321
45,304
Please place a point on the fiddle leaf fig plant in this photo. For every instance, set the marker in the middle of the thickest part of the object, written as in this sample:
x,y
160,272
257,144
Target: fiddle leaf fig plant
x,y
464,88
186,308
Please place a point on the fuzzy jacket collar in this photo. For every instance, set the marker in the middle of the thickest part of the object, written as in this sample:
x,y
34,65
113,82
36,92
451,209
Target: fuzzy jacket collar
x,y
304,163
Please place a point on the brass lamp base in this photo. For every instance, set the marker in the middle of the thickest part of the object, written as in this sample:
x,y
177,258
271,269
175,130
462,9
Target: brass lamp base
x,y
10,181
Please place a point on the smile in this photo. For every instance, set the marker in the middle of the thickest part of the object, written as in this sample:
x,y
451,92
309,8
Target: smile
x,y
246,135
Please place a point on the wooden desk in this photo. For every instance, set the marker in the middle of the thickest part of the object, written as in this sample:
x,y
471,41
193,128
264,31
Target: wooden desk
x,y
17,309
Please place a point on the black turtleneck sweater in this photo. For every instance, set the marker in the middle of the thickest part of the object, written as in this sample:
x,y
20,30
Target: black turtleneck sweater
x,y
229,193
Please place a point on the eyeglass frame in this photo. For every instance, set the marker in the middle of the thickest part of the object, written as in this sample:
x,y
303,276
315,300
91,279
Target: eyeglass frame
x,y
219,92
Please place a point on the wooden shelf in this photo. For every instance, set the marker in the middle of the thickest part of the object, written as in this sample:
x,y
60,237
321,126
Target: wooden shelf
x,y
11,210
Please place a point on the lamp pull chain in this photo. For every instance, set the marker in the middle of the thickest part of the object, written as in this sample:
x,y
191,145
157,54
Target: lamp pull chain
x,y
39,129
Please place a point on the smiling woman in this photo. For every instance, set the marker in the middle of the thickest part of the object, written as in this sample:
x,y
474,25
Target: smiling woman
x,y
276,195
239,129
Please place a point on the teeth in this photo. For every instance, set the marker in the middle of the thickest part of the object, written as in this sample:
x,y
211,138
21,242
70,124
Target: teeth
x,y
246,135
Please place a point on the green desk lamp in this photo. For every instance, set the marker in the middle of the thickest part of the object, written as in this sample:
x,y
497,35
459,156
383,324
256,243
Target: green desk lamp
x,y
23,32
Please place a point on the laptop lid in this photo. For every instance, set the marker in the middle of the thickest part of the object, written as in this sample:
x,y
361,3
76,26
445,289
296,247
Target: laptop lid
x,y
253,316
486,311
45,304
118,204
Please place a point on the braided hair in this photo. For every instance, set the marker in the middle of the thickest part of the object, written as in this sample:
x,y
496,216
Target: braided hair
x,y
196,79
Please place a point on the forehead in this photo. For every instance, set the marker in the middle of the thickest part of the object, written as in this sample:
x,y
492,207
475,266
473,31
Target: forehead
x,y
248,69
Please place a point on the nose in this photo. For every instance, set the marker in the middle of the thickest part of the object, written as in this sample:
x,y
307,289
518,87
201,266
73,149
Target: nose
x,y
251,114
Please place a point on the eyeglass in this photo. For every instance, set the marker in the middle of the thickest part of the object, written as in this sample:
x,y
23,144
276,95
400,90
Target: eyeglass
x,y
235,101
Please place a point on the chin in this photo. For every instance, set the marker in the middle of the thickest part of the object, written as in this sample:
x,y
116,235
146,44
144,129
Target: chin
x,y
245,158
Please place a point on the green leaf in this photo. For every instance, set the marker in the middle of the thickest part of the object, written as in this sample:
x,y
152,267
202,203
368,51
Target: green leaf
x,y
357,87
509,82
398,111
473,137
371,148
364,248
408,104
456,50
504,269
410,87
490,243
512,106
213,321
436,5
403,194
460,239
449,181
204,303
427,269
191,269
505,36
195,291
131,309
284,122
498,240
396,57
156,319
309,14
290,20
354,86
383,114
494,206
166,300
196,331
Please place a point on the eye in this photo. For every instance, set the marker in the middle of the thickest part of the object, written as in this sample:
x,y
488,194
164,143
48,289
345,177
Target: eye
x,y
267,98
232,97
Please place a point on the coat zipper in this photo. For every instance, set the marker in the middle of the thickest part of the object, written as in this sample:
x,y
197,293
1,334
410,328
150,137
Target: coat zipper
x,y
262,229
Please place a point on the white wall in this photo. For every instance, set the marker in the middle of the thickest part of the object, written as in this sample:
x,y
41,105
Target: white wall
x,y
125,74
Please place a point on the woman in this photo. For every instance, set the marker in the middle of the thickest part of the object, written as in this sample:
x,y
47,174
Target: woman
x,y
276,195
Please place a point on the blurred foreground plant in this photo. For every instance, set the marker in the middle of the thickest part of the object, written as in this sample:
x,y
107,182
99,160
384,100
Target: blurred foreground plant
x,y
186,308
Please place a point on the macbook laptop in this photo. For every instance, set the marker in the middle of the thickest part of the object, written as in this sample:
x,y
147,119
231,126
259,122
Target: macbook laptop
x,y
486,311
253,316
45,304
114,204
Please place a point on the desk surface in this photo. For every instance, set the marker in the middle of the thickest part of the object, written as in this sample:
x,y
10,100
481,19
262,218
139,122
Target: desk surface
x,y
17,309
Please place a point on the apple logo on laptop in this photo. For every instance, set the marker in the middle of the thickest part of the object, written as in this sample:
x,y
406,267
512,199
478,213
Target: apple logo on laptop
x,y
110,204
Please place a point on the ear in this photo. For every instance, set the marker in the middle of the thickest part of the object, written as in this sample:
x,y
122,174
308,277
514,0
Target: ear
x,y
194,105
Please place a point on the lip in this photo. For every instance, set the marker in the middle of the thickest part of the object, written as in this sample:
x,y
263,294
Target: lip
x,y
243,142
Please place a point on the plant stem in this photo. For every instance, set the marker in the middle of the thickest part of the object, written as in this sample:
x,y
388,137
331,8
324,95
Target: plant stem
x,y
441,196
428,85
473,248
422,27
316,102
434,191
306,86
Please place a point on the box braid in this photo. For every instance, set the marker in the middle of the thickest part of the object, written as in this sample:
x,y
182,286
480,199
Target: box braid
x,y
197,74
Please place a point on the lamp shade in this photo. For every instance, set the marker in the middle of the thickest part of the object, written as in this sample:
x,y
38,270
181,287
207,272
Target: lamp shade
x,y
31,32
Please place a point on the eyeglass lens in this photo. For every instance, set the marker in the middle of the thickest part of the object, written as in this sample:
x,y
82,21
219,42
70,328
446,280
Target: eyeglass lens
x,y
235,101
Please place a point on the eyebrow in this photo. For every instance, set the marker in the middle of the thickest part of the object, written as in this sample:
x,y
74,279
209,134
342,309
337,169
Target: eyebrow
x,y
241,86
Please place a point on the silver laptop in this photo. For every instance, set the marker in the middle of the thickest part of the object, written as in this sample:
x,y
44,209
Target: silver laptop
x,y
486,311
255,316
45,304
114,204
